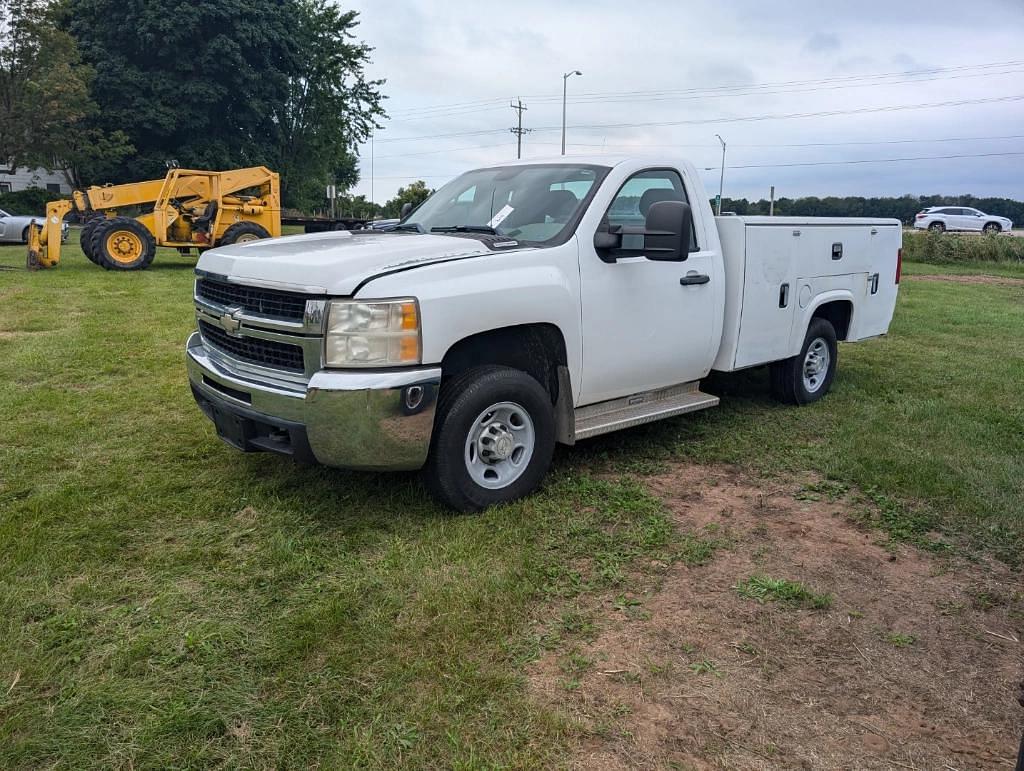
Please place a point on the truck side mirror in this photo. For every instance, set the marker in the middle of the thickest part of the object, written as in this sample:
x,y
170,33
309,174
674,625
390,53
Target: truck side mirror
x,y
406,208
667,231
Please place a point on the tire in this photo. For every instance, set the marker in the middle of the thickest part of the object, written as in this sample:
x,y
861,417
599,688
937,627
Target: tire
x,y
477,410
992,228
937,227
24,236
791,380
85,237
242,232
123,243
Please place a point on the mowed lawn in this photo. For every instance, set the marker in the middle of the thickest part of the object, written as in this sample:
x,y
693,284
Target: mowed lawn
x,y
166,601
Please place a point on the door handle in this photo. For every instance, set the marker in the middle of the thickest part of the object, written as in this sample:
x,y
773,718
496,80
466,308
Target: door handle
x,y
692,278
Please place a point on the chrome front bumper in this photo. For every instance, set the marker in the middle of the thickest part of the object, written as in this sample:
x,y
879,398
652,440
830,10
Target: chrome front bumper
x,y
364,420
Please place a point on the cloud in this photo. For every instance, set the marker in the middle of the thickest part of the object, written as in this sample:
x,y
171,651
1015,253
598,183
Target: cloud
x,y
452,67
823,42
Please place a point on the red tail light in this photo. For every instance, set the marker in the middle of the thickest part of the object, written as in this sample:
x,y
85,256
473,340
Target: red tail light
x,y
899,264
918,216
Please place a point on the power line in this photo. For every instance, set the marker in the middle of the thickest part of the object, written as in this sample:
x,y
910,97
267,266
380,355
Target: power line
x,y
749,91
725,119
785,165
788,116
870,160
788,83
674,145
849,143
497,102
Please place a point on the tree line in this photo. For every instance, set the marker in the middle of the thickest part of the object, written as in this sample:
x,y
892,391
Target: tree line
x,y
111,91
903,208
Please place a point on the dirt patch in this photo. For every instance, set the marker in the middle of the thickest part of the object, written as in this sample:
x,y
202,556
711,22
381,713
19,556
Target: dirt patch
x,y
914,664
979,279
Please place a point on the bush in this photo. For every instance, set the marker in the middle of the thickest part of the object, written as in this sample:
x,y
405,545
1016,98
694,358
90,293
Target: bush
x,y
949,248
31,201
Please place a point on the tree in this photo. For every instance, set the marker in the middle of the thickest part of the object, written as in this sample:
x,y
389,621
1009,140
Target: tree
x,y
359,206
194,82
331,107
415,194
45,106
229,83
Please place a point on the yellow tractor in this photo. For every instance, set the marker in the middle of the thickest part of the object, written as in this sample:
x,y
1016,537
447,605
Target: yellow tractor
x,y
190,210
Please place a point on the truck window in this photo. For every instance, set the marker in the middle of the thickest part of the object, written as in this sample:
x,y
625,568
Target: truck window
x,y
630,205
534,204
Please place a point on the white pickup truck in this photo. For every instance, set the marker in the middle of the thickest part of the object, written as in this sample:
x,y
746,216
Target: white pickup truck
x,y
519,306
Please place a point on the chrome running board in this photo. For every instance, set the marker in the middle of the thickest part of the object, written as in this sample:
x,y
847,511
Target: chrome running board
x,y
635,410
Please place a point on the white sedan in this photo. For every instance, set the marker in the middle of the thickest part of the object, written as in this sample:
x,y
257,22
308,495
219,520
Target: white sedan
x,y
939,219
14,227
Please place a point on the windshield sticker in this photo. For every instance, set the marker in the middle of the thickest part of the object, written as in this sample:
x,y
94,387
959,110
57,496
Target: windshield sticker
x,y
498,218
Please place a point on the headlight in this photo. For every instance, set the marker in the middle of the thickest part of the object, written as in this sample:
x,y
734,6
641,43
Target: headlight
x,y
372,334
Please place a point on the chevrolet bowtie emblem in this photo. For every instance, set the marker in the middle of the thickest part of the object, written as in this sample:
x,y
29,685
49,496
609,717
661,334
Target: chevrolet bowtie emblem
x,y
231,321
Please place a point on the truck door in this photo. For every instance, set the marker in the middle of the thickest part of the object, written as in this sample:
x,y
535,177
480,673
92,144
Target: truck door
x,y
642,327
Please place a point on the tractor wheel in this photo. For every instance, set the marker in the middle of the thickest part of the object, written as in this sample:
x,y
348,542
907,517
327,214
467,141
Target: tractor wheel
x,y
123,243
242,232
85,237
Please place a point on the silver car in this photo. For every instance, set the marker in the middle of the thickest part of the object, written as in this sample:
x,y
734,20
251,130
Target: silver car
x,y
14,228
939,219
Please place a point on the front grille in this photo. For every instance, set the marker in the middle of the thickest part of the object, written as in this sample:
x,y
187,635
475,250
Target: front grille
x,y
267,302
268,353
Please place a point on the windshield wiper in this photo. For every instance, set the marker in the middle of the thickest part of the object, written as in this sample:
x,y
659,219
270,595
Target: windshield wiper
x,y
465,229
410,226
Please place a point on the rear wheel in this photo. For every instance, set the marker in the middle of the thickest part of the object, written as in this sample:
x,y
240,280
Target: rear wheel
x,y
123,243
992,228
937,227
494,436
243,232
808,376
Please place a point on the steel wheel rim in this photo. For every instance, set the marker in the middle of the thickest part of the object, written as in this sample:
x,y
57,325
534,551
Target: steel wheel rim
x,y
246,238
816,363
500,445
124,246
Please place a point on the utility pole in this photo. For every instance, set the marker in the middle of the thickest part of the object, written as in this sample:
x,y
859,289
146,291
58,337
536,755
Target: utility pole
x,y
565,87
721,178
771,205
519,130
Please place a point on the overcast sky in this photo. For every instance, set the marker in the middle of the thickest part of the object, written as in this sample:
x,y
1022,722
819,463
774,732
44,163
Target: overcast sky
x,y
707,67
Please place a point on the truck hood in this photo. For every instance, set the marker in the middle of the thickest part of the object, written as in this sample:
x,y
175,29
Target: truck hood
x,y
333,263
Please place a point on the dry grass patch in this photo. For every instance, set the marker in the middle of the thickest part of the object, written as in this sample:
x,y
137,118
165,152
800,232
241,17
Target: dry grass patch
x,y
869,650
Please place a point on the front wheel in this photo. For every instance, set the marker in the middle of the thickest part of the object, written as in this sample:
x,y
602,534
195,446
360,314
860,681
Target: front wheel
x,y
494,436
123,243
992,228
243,233
808,376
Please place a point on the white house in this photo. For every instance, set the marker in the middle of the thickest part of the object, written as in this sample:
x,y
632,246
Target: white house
x,y
21,179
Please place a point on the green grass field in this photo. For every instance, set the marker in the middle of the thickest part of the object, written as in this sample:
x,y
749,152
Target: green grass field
x,y
166,601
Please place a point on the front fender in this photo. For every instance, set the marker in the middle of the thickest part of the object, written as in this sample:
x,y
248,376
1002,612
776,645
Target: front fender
x,y
462,298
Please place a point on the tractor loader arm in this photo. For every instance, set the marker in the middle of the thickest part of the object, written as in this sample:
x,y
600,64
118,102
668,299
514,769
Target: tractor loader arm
x,y
44,238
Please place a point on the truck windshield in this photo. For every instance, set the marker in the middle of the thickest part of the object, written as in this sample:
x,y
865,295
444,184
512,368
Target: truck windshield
x,y
539,203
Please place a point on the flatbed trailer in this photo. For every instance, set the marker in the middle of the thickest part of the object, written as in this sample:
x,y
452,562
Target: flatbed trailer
x,y
323,224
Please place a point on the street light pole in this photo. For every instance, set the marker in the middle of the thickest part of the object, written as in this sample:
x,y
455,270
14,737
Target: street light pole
x,y
721,177
565,81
